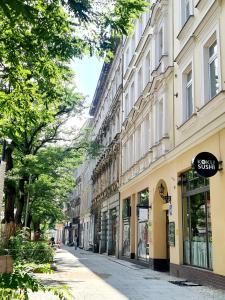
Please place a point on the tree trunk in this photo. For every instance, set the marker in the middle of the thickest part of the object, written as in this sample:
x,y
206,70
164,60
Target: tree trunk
x,y
37,231
21,200
10,190
10,193
29,220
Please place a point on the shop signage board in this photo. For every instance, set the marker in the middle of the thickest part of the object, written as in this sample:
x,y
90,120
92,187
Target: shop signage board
x,y
205,164
171,234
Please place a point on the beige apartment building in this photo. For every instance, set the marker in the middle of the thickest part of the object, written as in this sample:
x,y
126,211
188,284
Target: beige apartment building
x,y
172,216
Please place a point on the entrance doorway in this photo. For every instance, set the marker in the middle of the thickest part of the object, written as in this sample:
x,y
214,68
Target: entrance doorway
x,y
160,229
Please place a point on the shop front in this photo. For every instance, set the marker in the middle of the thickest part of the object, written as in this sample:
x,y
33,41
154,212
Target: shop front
x,y
197,232
142,226
126,215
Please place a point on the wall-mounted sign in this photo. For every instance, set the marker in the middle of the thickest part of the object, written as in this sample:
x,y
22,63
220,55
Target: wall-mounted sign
x,y
205,164
171,234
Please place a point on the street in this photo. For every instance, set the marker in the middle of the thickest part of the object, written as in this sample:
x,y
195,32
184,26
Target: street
x,y
98,277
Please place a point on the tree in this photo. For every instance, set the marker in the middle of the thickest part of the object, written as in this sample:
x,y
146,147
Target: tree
x,y
38,40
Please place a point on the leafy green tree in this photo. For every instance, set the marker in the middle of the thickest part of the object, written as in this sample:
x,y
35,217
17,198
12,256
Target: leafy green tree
x,y
38,40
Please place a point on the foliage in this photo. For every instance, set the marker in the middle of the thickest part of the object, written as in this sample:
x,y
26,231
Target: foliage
x,y
98,24
18,284
34,267
39,39
27,251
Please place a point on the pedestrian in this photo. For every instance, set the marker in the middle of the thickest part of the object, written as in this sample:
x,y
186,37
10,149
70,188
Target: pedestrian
x,y
58,244
75,242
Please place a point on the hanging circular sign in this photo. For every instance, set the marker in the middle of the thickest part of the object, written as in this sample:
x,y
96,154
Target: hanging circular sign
x,y
205,164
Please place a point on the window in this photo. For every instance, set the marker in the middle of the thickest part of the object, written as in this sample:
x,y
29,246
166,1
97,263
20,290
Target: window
x,y
126,105
197,232
132,95
147,68
213,70
160,41
146,134
140,28
140,82
188,105
159,119
133,43
143,220
138,143
127,58
186,6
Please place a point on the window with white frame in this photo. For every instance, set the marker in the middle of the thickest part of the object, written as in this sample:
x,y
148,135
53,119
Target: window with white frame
x,y
159,120
188,94
126,105
140,28
133,43
137,143
140,81
127,57
213,69
147,68
187,10
132,95
147,133
160,43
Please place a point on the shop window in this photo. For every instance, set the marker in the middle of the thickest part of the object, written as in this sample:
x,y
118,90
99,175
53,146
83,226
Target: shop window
x,y
126,226
197,233
143,216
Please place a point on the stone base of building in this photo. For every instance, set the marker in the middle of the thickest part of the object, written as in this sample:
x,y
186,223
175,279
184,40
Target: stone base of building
x,y
161,265
199,276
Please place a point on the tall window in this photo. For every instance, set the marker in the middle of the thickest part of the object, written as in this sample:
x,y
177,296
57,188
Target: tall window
x,y
160,43
132,94
126,106
197,232
126,226
188,105
127,58
138,143
147,68
140,81
159,119
186,6
146,134
213,70
133,43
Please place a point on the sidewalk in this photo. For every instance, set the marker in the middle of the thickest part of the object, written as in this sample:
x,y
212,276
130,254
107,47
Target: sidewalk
x,y
98,277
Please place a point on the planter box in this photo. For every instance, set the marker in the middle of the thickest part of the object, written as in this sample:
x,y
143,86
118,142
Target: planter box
x,y
6,264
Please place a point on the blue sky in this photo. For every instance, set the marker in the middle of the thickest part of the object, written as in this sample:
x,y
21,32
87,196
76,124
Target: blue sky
x,y
87,73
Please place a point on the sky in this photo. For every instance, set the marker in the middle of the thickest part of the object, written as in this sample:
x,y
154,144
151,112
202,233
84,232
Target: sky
x,y
87,73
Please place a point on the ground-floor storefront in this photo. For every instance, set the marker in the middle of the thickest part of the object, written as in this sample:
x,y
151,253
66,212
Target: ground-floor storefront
x,y
109,225
171,218
86,232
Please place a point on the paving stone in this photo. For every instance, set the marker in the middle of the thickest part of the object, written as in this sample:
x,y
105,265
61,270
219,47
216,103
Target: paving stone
x,y
98,277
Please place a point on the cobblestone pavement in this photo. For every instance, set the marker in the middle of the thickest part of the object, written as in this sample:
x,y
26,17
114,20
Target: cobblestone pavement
x,y
98,277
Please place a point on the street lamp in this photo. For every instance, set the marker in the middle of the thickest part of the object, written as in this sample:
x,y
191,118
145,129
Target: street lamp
x,y
166,197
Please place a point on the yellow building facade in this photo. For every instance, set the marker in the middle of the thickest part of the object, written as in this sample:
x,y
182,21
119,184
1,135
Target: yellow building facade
x,y
171,218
